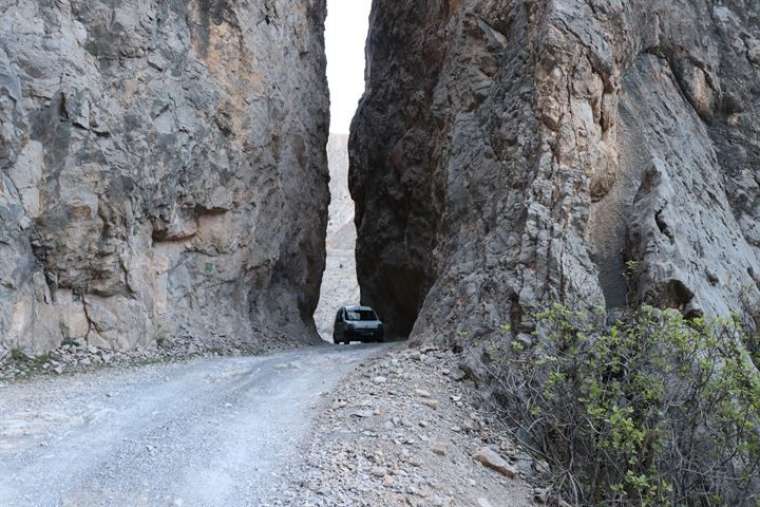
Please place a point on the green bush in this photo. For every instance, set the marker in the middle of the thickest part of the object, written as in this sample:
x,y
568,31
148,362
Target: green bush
x,y
18,355
654,410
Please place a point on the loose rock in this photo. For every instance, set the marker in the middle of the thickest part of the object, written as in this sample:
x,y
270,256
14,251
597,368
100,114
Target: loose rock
x,y
491,459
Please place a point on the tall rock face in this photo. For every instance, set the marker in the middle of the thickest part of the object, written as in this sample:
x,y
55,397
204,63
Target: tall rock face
x,y
600,153
163,170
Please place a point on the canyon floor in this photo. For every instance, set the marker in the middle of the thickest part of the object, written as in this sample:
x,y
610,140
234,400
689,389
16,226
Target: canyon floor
x,y
358,425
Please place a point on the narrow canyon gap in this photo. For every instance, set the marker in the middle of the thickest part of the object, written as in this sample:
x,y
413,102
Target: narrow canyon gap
x,y
345,36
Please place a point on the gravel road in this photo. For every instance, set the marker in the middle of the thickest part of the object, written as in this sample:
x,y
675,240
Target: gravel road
x,y
207,432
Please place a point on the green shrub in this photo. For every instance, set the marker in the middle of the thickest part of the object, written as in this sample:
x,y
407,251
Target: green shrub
x,y
18,355
654,410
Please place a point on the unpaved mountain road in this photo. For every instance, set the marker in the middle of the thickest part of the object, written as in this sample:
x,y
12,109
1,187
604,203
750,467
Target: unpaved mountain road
x,y
207,432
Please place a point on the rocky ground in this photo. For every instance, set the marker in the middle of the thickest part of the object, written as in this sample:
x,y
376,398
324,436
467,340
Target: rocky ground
x,y
73,357
405,429
201,433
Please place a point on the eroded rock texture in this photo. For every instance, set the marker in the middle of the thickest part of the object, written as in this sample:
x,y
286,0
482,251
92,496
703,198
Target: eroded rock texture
x,y
601,152
163,170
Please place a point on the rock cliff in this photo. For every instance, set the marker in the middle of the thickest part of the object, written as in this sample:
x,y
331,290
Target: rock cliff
x,y
163,170
600,153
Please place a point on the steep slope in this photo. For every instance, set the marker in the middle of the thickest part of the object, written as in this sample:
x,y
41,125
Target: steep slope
x,y
599,153
162,170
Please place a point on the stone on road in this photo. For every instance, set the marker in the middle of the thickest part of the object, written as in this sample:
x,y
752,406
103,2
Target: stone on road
x,y
208,432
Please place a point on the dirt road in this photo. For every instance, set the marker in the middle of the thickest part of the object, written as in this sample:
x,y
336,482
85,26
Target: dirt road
x,y
207,432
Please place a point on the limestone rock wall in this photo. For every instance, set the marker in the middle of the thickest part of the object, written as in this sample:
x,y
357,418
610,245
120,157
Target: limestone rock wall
x,y
599,152
162,170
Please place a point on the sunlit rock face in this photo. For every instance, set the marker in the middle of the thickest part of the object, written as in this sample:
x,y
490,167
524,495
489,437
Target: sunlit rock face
x,y
163,170
600,153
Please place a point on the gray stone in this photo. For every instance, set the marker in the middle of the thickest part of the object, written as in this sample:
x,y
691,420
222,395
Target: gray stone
x,y
598,153
753,51
162,171
439,448
430,403
491,459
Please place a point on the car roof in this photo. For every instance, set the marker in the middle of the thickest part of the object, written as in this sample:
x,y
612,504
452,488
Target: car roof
x,y
355,308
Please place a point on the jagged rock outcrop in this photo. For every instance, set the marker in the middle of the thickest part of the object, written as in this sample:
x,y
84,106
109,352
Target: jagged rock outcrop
x,y
508,153
163,170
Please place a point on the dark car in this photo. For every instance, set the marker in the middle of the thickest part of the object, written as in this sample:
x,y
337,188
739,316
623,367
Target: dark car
x,y
357,323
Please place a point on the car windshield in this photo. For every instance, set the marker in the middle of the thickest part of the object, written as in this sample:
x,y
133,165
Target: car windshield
x,y
356,315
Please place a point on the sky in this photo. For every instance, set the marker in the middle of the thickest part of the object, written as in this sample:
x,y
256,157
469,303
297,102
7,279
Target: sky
x,y
345,34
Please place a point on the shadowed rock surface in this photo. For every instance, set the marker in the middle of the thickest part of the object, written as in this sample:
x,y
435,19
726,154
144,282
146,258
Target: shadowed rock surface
x,y
508,153
163,170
